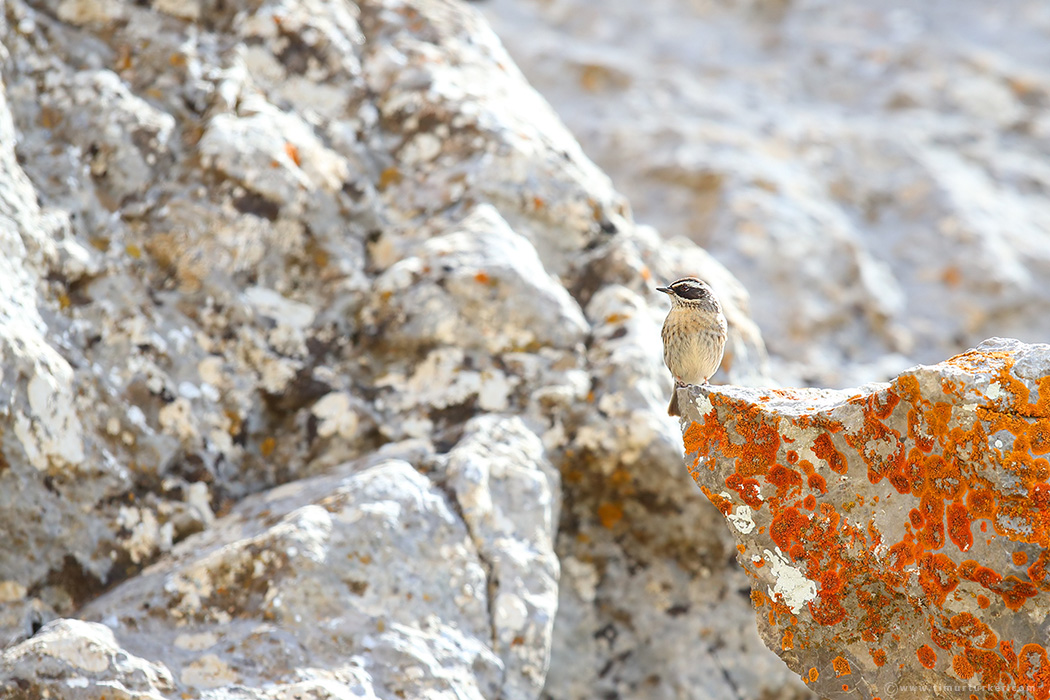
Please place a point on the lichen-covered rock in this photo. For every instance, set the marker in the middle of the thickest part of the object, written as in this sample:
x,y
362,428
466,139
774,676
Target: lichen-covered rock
x,y
247,247
896,535
76,660
305,576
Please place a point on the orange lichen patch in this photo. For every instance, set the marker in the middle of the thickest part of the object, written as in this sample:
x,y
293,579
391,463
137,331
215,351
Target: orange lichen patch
x,y
1037,571
817,483
1019,558
788,640
987,664
748,489
969,630
983,601
723,504
916,519
1039,437
1016,592
937,576
786,527
962,668
959,527
609,514
809,502
927,656
292,151
482,277
792,456
786,480
980,503
841,666
824,448
932,535
1034,669
814,674
878,656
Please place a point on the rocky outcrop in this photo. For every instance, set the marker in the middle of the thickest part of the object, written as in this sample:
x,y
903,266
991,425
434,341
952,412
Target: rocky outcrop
x,y
896,536
874,175
330,367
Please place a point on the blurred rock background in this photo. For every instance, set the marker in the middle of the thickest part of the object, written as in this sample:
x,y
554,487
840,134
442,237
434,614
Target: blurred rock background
x,y
873,172
330,363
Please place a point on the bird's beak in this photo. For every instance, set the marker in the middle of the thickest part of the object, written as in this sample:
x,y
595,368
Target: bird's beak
x,y
665,290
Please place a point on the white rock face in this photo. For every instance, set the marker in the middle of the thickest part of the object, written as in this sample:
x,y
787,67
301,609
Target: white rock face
x,y
875,175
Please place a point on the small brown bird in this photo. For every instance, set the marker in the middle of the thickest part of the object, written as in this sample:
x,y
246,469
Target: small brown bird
x,y
694,334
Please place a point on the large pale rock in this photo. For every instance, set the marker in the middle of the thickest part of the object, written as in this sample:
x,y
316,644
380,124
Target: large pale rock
x,y
896,535
303,579
246,245
881,192
76,660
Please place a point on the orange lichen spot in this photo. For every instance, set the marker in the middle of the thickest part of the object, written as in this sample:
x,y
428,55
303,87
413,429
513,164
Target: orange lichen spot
x,y
959,527
878,656
986,577
938,577
824,448
1016,592
267,446
983,601
646,274
809,502
830,582
951,276
748,489
389,176
845,687
1034,668
482,277
916,519
609,514
792,456
723,504
932,535
784,479
1020,558
1040,496
971,628
927,656
1037,571
814,674
788,640
841,666
987,664
786,527
797,552
1039,437
817,483
292,151
962,667
980,503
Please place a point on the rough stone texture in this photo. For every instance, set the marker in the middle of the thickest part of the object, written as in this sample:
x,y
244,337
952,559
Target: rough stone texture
x,y
87,658
874,172
896,536
321,339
